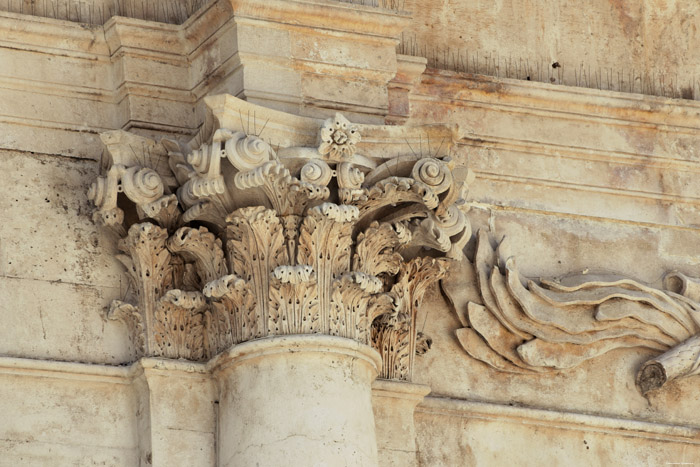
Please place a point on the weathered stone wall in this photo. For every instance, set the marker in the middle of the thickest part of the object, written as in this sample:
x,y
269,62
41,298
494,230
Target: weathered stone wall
x,y
580,182
642,47
57,267
578,179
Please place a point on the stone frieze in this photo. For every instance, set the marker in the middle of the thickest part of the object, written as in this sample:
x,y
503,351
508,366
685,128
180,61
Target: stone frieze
x,y
524,326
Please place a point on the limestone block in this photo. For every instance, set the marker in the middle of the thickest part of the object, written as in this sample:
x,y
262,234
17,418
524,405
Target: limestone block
x,y
354,56
81,109
462,433
274,80
48,233
573,118
177,413
350,67
53,320
155,69
604,44
53,264
357,96
56,71
170,117
630,158
64,417
263,39
132,34
125,74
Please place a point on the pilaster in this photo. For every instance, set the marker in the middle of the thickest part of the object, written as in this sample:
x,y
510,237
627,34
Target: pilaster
x,y
394,404
175,413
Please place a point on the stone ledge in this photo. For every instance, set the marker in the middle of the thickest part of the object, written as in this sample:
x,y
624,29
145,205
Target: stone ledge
x,y
564,101
561,420
326,14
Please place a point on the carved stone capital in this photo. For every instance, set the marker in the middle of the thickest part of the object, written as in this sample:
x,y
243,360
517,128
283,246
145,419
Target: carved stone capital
x,y
245,236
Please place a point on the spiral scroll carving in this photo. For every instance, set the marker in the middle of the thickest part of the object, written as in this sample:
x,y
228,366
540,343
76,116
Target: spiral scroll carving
x,y
243,243
433,173
142,185
316,172
247,153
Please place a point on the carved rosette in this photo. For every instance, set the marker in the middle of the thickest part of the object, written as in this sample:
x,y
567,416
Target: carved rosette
x,y
232,242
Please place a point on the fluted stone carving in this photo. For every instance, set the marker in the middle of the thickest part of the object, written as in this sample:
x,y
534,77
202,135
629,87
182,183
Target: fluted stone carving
x,y
522,326
235,240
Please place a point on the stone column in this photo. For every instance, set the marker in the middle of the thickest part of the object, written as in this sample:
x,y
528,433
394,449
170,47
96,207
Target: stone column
x,y
297,400
394,403
292,267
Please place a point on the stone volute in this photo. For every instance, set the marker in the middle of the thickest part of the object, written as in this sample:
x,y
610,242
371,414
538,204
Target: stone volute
x,y
290,253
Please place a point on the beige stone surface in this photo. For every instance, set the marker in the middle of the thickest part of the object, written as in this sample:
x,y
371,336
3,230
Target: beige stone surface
x,y
632,159
394,403
127,73
484,435
629,45
65,414
579,180
54,269
297,400
176,409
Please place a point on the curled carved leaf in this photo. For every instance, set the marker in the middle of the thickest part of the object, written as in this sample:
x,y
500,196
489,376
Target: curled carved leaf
x,y
203,248
234,310
374,253
287,194
179,326
131,317
560,324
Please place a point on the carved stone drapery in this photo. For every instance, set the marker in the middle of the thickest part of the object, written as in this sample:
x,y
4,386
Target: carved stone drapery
x,y
233,240
522,326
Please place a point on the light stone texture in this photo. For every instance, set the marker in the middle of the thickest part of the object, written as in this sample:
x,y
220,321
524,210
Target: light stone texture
x,y
55,265
394,404
176,413
65,414
483,435
579,180
608,44
297,400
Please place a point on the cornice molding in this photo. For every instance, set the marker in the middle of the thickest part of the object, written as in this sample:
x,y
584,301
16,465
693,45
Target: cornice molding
x,y
488,411
612,107
325,14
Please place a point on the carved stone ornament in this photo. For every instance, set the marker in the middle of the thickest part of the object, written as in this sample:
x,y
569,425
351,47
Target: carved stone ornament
x,y
522,326
241,238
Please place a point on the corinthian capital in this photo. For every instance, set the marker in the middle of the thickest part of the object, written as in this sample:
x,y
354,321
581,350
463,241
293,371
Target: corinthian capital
x,y
308,228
